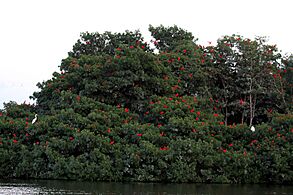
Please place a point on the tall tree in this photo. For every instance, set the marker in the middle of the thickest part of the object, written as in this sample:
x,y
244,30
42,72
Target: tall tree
x,y
244,69
254,67
128,77
223,75
283,80
168,38
106,43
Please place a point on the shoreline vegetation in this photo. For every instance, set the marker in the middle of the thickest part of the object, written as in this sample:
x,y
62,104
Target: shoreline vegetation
x,y
122,109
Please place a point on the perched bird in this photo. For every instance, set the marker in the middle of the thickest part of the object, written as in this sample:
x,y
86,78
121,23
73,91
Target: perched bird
x,y
35,119
252,128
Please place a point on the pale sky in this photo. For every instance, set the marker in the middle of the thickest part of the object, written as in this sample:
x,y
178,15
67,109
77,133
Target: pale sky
x,y
35,35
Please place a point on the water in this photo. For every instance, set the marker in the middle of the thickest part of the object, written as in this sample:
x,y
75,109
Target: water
x,y
112,188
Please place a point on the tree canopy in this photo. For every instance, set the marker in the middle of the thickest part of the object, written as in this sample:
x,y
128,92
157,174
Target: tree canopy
x,y
121,110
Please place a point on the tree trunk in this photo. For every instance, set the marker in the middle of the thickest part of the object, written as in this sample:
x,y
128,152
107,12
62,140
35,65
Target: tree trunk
x,y
242,118
226,113
250,103
250,109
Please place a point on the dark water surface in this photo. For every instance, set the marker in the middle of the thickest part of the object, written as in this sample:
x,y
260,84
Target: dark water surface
x,y
113,188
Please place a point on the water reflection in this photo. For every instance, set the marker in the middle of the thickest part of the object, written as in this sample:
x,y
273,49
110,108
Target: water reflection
x,y
34,187
113,188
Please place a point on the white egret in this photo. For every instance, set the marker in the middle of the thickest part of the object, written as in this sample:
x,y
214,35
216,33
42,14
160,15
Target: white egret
x,y
35,119
252,128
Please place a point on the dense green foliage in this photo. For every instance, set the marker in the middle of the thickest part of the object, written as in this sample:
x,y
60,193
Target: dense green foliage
x,y
119,111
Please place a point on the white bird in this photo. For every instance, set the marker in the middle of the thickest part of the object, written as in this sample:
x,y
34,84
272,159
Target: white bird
x,y
35,119
252,128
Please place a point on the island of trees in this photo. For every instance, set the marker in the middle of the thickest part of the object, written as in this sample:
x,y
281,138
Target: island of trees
x,y
168,110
